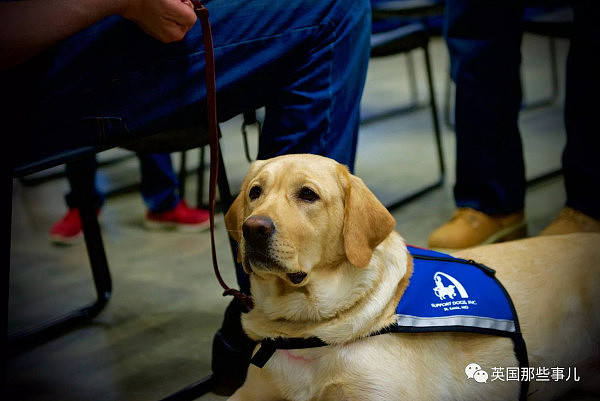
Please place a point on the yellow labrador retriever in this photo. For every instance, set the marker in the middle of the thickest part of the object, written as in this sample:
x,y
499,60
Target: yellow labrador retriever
x,y
324,261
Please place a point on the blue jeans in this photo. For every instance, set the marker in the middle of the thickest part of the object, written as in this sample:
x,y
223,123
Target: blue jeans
x,y
304,61
159,183
483,38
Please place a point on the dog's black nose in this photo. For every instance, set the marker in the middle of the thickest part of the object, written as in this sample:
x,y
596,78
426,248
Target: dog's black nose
x,y
257,230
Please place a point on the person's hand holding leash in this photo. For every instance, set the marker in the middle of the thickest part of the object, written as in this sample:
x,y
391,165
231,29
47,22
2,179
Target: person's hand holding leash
x,y
166,20
28,27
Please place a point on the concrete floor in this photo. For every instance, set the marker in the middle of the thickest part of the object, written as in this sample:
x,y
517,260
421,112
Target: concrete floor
x,y
155,335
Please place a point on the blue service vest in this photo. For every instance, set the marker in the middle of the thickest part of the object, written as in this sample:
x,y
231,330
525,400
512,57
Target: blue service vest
x,y
445,294
454,294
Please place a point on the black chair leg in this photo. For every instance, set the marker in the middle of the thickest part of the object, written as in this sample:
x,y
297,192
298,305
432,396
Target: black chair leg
x,y
8,181
96,255
29,338
412,80
182,176
434,116
200,172
438,142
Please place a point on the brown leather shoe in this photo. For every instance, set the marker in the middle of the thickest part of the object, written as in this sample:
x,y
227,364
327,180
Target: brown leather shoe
x,y
469,227
570,220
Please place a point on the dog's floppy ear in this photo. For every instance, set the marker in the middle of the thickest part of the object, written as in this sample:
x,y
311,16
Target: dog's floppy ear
x,y
366,221
233,221
234,218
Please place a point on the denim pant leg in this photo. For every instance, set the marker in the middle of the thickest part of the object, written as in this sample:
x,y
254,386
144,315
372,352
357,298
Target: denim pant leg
x,y
304,60
316,109
160,184
85,168
483,38
581,164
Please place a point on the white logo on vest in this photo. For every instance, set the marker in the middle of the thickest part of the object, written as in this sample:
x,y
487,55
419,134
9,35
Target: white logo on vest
x,y
448,293
442,291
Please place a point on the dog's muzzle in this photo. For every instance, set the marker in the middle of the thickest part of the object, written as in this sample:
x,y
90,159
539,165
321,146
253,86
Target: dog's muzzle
x,y
257,232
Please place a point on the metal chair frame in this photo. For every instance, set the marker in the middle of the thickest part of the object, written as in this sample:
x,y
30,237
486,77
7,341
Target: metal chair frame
x,y
403,41
51,329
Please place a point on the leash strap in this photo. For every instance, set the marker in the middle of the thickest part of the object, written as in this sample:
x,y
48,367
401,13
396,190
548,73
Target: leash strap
x,y
213,134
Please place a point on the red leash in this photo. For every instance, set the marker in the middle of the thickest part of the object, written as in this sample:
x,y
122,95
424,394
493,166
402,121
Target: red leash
x,y
211,106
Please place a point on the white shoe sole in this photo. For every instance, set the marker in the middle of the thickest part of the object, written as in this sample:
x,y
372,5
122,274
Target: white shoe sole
x,y
66,241
152,225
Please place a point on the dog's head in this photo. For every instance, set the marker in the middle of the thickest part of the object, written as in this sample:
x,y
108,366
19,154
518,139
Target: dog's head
x,y
296,213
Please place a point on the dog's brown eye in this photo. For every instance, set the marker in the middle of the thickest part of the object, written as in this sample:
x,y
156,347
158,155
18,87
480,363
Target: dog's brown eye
x,y
255,192
308,195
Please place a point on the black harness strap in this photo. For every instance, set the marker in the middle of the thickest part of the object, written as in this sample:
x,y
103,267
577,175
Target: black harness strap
x,y
268,347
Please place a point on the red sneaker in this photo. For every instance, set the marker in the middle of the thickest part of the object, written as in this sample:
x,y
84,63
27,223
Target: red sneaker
x,y
182,218
67,231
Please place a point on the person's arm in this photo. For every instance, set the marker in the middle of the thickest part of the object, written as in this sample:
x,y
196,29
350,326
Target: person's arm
x,y
30,26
